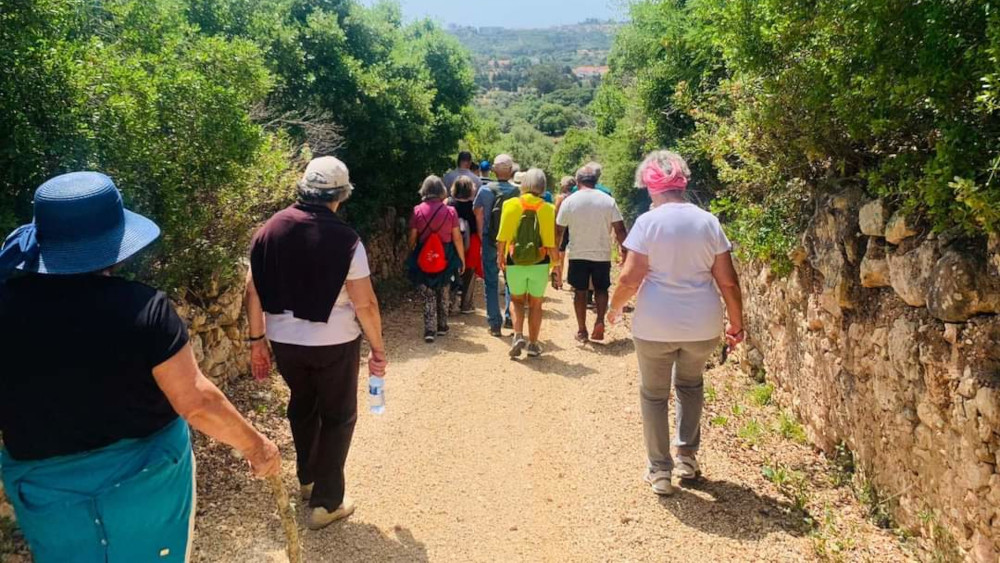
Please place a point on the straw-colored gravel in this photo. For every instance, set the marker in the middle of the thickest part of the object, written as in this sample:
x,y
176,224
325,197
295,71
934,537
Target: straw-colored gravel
x,y
480,458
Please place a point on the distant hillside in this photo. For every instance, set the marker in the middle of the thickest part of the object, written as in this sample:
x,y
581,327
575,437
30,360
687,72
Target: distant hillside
x,y
584,44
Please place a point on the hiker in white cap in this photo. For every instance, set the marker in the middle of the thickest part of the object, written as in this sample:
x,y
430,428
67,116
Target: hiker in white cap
x,y
309,294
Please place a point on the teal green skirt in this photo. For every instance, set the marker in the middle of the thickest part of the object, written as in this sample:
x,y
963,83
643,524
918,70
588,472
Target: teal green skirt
x,y
434,281
132,501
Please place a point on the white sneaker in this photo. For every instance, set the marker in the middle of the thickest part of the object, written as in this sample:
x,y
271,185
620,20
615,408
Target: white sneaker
x,y
687,467
321,518
307,491
659,481
517,346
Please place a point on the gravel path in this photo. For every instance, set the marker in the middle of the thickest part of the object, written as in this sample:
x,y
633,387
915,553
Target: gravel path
x,y
480,458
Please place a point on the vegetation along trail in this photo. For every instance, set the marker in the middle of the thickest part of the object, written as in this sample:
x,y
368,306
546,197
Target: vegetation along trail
x,y
480,458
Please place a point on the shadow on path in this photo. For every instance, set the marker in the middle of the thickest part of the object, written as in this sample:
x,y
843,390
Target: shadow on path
x,y
354,541
732,510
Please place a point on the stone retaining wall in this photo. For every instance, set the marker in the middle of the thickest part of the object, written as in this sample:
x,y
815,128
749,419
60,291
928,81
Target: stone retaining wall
x,y
885,338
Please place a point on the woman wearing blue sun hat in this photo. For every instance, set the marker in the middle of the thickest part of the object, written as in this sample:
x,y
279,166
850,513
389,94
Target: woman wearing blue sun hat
x,y
99,386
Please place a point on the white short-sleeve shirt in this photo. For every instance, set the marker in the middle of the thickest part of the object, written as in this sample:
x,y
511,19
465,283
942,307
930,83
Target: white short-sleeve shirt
x,y
679,300
340,328
589,214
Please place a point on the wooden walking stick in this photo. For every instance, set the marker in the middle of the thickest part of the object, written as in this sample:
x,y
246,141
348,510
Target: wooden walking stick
x,y
287,513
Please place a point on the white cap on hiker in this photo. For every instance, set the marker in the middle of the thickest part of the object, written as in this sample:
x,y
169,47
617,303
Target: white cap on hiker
x,y
326,178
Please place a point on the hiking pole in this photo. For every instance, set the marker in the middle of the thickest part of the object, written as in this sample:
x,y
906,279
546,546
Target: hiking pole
x,y
287,513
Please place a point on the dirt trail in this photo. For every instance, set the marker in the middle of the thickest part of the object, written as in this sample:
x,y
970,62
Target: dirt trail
x,y
480,458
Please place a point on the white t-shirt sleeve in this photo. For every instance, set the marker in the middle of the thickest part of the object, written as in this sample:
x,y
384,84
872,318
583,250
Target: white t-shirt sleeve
x,y
636,241
616,214
561,217
722,244
359,264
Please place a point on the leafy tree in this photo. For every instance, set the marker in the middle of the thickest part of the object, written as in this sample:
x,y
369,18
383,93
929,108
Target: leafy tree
x,y
548,78
553,119
577,148
777,101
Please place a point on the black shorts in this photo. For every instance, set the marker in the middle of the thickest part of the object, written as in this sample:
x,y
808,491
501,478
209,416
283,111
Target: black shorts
x,y
584,272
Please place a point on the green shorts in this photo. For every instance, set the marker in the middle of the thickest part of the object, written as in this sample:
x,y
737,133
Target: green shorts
x,y
528,279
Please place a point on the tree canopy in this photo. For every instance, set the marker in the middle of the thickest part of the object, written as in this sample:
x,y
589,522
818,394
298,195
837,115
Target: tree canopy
x,y
203,110
777,101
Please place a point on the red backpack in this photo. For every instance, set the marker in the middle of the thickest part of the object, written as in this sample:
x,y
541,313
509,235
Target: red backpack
x,y
431,258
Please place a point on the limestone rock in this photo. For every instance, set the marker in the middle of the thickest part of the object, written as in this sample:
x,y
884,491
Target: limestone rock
x,y
831,240
899,228
875,266
910,273
904,350
988,405
961,288
871,218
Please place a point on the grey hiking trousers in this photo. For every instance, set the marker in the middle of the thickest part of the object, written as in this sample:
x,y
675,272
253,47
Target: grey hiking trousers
x,y
663,365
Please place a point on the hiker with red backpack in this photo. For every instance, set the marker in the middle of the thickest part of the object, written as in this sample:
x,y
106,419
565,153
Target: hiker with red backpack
x,y
438,254
526,244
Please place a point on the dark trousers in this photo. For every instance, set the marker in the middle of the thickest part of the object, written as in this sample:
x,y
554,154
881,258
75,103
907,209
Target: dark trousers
x,y
322,412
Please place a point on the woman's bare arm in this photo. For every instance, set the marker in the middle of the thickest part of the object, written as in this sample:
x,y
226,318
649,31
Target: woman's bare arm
x,y
633,273
729,284
412,240
260,354
198,401
366,308
456,237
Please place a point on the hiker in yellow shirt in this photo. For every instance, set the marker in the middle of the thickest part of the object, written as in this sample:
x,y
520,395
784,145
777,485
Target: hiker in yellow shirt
x,y
526,244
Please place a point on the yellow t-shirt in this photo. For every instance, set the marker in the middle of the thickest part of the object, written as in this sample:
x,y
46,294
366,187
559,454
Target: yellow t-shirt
x,y
512,210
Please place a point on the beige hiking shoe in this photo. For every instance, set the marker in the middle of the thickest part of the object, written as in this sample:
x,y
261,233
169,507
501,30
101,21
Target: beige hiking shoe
x,y
659,481
321,517
307,491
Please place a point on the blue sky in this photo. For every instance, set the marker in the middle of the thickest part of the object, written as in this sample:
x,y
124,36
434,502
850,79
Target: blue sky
x,y
510,13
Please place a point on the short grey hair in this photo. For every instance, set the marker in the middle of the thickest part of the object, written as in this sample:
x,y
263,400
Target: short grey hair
x,y
597,168
585,176
534,182
318,196
433,188
666,160
567,183
504,161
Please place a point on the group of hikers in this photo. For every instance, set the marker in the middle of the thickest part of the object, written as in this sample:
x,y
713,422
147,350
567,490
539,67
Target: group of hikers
x,y
469,226
102,383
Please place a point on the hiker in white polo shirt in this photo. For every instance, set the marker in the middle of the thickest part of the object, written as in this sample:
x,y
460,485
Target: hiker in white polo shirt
x,y
591,216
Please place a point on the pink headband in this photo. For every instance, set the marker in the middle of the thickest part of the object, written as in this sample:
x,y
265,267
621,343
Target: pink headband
x,y
657,181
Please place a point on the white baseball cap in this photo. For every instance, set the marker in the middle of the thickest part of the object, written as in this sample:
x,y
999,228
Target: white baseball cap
x,y
326,173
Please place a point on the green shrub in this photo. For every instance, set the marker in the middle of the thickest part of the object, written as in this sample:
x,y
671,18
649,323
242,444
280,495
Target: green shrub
x,y
202,112
777,102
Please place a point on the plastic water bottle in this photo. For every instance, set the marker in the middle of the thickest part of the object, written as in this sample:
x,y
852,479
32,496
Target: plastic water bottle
x,y
376,394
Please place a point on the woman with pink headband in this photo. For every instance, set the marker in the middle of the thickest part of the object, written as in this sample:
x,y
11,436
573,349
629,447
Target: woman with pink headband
x,y
678,262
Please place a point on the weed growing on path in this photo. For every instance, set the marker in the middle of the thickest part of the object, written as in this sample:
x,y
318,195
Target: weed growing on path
x,y
790,429
761,394
790,483
751,432
720,421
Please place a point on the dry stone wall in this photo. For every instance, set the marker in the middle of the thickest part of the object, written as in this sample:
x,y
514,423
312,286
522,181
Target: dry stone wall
x,y
885,338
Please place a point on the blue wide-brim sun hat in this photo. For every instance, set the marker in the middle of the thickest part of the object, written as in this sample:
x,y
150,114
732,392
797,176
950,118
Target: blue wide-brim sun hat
x,y
82,226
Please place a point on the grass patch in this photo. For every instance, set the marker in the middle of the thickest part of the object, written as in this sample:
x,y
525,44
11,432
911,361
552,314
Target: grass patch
x,y
711,394
751,432
738,410
791,483
790,429
762,394
720,421
828,541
